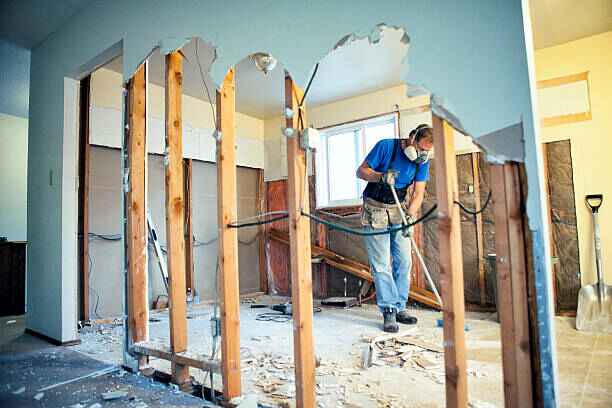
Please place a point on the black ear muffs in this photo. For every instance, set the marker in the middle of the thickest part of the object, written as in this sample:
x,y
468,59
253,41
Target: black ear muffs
x,y
415,132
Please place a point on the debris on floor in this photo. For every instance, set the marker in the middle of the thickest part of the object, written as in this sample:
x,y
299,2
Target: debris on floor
x,y
113,395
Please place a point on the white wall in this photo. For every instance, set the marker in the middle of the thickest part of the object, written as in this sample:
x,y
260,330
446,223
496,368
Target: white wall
x,y
198,126
13,182
14,96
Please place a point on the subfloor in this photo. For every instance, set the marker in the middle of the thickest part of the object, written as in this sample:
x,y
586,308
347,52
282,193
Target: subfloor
x,y
403,375
35,374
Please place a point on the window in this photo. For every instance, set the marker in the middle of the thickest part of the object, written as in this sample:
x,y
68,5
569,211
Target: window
x,y
343,149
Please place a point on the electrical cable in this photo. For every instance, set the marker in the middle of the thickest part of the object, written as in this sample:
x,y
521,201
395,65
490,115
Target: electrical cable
x,y
301,104
255,223
95,311
366,233
105,237
212,109
474,212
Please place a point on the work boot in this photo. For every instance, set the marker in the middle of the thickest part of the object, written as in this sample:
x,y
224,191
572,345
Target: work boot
x,y
390,325
405,318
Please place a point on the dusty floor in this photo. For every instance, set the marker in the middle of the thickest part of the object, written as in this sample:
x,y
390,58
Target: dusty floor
x,y
35,374
267,350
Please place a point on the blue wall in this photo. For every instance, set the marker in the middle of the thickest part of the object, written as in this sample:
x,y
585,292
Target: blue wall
x,y
14,79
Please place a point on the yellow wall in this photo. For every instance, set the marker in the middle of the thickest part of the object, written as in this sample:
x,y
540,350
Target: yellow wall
x,y
591,140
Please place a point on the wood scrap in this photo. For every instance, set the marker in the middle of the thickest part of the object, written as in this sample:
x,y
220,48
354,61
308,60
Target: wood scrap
x,y
355,268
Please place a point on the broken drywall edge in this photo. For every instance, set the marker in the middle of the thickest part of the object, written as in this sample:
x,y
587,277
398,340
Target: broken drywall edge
x,y
438,109
506,144
171,44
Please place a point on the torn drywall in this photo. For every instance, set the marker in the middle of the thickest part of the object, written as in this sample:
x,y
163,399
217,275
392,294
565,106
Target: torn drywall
x,y
503,145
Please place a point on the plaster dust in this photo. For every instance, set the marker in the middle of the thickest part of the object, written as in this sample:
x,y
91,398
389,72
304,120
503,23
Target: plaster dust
x,y
403,375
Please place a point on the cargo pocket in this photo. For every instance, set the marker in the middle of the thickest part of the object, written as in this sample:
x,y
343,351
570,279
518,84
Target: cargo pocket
x,y
374,217
395,216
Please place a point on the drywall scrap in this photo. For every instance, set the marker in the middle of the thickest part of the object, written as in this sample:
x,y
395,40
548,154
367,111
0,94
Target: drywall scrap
x,y
503,145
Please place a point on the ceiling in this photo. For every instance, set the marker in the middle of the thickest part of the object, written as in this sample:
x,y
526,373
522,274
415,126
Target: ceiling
x,y
28,22
356,68
559,21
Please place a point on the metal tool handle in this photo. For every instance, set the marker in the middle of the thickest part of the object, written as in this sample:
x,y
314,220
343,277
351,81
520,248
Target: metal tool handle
x,y
598,257
432,285
405,231
594,201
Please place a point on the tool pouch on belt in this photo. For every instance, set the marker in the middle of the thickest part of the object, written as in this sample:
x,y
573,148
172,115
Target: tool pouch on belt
x,y
379,215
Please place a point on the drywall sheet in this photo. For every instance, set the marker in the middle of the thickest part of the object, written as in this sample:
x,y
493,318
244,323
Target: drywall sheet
x,y
198,143
564,228
105,218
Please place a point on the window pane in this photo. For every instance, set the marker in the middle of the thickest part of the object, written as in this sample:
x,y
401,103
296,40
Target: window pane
x,y
342,164
374,133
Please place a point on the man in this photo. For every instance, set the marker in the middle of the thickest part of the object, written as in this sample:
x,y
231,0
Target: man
x,y
402,163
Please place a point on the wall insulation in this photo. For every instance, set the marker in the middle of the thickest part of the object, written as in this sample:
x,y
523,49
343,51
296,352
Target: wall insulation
x,y
564,230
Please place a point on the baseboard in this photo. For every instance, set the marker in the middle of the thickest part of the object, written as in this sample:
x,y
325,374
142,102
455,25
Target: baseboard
x,y
51,340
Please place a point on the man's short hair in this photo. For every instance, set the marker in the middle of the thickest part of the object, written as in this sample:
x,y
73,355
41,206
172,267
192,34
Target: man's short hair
x,y
422,132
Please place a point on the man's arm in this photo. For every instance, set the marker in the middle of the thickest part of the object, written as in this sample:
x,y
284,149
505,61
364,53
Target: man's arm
x,y
417,198
365,172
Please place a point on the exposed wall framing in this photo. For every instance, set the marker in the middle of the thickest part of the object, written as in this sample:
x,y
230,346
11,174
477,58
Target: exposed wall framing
x,y
175,213
83,207
451,265
188,194
136,207
228,237
512,285
301,271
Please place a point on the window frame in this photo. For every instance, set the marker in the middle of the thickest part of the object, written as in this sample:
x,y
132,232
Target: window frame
x,y
358,127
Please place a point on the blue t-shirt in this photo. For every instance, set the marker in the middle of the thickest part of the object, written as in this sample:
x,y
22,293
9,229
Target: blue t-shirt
x,y
379,159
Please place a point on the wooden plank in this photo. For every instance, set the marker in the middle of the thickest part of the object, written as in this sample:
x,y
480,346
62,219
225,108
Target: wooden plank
x,y
355,268
451,264
228,237
566,119
186,358
137,236
568,79
534,327
277,255
189,268
479,228
260,198
175,213
84,167
512,285
301,272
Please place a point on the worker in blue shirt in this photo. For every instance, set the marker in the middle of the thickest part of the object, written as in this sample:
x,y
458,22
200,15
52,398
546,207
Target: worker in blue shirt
x,y
404,163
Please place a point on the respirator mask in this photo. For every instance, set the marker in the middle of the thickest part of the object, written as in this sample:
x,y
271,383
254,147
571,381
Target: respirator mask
x,y
416,155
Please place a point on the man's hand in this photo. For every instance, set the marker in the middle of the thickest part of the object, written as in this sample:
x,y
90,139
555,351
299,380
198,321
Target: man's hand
x,y
409,230
389,177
